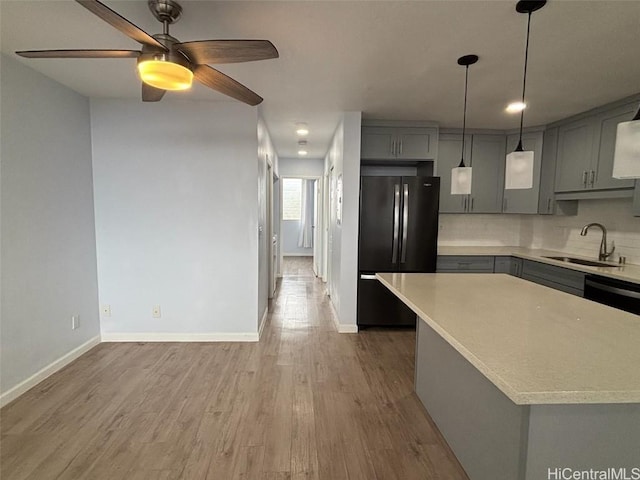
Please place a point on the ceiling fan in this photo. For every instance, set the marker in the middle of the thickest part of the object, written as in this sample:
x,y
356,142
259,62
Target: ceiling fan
x,y
164,63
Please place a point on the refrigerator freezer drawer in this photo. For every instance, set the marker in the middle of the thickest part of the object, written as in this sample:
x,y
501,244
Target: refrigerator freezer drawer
x,y
377,306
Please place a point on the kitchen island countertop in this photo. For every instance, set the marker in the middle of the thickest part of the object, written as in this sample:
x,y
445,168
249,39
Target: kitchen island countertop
x,y
535,344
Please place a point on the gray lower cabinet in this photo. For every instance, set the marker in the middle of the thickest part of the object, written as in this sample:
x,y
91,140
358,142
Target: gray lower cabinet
x,y
636,200
510,265
564,279
525,200
486,154
398,143
464,264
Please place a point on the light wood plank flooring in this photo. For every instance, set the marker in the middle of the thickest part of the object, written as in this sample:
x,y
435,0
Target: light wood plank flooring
x,y
297,266
303,403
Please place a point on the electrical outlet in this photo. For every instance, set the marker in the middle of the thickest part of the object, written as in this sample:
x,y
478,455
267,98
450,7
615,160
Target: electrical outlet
x,y
155,311
105,310
75,322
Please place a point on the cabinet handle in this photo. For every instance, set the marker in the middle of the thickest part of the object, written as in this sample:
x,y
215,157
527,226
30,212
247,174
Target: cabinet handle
x,y
584,178
464,204
472,204
400,147
504,206
549,205
393,148
592,179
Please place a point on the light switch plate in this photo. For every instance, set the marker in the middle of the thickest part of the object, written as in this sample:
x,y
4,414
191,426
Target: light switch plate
x,y
75,322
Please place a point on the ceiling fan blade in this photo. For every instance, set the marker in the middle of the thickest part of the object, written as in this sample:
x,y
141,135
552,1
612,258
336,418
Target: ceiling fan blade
x,y
79,53
151,94
228,51
119,22
216,80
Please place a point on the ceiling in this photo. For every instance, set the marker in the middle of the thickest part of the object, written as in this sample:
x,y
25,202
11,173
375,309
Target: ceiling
x,y
389,59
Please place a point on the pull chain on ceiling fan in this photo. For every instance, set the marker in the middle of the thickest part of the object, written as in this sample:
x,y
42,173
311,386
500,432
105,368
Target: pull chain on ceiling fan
x,y
164,63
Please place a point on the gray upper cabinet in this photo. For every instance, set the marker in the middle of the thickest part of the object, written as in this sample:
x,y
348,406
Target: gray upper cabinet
x,y
525,200
573,167
449,152
546,200
585,152
398,143
607,125
487,184
485,153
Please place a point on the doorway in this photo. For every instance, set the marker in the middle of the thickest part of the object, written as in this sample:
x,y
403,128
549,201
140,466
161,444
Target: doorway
x,y
300,231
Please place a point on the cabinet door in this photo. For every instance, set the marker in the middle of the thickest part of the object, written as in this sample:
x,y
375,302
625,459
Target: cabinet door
x,y
607,124
487,160
416,143
575,145
377,143
636,200
525,200
449,152
546,203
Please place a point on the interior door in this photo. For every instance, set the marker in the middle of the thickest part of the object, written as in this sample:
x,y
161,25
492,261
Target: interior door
x,y
419,224
379,224
316,230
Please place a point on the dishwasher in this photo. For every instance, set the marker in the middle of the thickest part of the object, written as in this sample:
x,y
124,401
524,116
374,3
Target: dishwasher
x,y
613,292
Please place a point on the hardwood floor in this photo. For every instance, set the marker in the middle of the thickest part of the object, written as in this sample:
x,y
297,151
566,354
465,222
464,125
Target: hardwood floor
x,y
303,403
297,266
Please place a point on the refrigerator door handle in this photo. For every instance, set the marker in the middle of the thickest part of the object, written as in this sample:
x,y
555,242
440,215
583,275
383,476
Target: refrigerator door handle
x,y
396,222
405,222
364,276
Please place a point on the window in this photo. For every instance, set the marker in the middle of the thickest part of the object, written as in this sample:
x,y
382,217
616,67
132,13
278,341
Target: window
x,y
291,192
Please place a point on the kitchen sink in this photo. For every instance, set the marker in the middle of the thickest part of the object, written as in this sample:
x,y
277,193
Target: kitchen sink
x,y
580,261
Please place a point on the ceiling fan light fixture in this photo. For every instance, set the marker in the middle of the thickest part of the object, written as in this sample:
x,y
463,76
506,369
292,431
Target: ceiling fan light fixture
x,y
165,75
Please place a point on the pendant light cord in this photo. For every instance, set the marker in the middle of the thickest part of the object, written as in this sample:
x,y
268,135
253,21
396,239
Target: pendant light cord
x,y
524,80
464,115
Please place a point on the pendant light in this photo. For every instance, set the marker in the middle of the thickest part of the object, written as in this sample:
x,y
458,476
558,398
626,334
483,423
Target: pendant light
x,y
519,166
461,175
626,159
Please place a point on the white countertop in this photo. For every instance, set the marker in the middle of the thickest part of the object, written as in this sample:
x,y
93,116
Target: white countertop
x,y
536,344
628,272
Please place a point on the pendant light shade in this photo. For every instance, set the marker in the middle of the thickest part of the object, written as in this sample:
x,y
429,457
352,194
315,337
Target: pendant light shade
x,y
461,175
626,159
520,162
519,169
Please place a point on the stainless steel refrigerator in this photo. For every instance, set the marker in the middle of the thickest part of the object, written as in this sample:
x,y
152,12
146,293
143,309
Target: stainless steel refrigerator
x,y
398,233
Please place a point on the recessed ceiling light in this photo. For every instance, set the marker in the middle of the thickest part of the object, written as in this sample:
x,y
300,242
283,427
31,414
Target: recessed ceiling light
x,y
302,148
302,129
516,107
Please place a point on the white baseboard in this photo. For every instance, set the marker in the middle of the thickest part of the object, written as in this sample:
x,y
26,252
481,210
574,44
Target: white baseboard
x,y
179,337
342,327
263,322
47,371
346,328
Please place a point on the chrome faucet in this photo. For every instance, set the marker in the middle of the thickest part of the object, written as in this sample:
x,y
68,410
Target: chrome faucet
x,y
603,244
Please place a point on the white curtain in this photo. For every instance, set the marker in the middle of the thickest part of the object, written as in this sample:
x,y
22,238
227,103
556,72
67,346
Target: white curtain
x,y
305,234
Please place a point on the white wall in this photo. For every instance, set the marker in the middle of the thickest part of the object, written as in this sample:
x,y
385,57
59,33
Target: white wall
x,y
343,159
177,215
301,167
266,156
48,239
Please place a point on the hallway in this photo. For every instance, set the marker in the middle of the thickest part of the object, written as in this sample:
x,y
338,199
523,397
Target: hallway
x,y
303,403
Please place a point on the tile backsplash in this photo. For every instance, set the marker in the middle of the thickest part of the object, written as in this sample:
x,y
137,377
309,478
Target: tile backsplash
x,y
551,232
